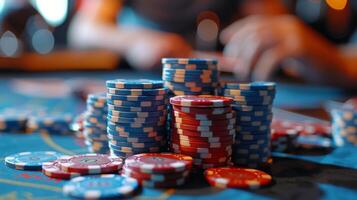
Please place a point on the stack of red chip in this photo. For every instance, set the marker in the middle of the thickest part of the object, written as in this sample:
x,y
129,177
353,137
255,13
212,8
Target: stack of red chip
x,y
158,170
68,167
203,127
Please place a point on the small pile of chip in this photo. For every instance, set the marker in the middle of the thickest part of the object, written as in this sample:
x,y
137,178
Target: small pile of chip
x,y
95,124
50,124
253,105
158,170
233,177
283,136
67,167
203,127
137,112
190,76
344,126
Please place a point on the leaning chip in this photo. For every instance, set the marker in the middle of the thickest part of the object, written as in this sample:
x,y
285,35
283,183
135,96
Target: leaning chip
x,y
233,177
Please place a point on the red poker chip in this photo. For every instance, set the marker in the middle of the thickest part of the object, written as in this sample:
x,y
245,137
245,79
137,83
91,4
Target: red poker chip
x,y
201,101
213,155
221,139
155,177
204,128
233,177
225,122
90,163
53,170
200,149
201,144
208,134
229,115
211,165
207,111
159,162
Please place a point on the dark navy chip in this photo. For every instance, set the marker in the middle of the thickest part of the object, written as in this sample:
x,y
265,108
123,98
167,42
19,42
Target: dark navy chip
x,y
188,61
135,98
134,84
138,92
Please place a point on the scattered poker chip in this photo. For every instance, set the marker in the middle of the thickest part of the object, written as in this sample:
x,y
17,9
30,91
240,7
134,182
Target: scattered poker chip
x,y
101,187
90,163
232,177
53,170
137,92
159,162
30,160
134,84
201,101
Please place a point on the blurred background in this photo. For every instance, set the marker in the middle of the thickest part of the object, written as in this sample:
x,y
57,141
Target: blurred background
x,y
35,34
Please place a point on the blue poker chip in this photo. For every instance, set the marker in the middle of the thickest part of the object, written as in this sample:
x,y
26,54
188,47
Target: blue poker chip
x,y
137,114
188,61
135,149
137,124
137,109
101,187
184,72
30,160
252,128
248,93
189,79
144,138
242,118
137,133
13,122
259,85
138,92
136,144
189,66
136,120
134,84
137,103
135,98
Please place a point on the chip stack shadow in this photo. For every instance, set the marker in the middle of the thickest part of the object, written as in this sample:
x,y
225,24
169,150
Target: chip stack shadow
x,y
137,112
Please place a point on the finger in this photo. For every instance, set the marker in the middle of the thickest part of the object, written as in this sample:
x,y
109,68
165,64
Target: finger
x,y
227,33
269,61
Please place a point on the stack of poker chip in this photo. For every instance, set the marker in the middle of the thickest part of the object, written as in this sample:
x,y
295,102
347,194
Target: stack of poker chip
x,y
253,106
344,126
158,170
67,167
95,124
203,127
137,112
13,121
50,124
190,76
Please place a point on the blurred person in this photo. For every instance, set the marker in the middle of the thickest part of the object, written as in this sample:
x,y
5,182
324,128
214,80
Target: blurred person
x,y
257,45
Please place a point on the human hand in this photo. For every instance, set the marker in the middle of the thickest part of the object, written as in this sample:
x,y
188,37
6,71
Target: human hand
x,y
147,48
263,43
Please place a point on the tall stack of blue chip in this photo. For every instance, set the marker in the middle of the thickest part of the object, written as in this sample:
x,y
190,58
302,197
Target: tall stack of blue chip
x,y
189,76
95,124
344,126
253,106
137,112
